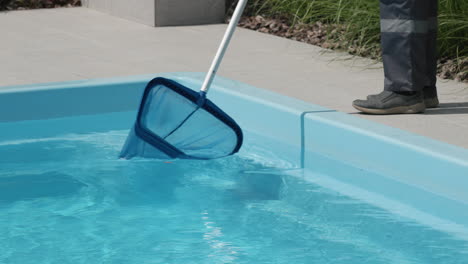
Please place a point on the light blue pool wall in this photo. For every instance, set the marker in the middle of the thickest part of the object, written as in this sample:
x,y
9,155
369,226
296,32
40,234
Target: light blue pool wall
x,y
417,171
423,173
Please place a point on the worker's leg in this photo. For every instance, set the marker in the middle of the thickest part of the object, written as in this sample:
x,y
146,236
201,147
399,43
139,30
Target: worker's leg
x,y
430,91
409,69
404,32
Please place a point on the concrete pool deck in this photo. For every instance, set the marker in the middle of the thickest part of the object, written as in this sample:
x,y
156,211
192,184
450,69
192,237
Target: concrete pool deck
x,y
77,43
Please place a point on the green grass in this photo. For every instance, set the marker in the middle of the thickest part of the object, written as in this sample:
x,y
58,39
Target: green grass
x,y
359,21
4,4
33,4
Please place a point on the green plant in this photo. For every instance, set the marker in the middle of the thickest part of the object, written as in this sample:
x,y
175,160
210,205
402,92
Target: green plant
x,y
359,25
4,4
33,4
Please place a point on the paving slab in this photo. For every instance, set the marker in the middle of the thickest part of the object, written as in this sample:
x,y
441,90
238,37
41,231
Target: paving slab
x,y
77,43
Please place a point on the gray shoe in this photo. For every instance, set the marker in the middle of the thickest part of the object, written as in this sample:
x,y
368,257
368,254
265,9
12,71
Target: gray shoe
x,y
388,102
430,97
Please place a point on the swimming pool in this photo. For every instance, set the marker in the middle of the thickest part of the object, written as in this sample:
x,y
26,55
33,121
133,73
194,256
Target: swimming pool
x,y
288,197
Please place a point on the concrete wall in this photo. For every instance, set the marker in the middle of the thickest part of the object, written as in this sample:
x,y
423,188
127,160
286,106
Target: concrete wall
x,y
163,12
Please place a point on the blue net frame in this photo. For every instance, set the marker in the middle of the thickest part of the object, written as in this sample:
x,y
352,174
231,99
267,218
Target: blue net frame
x,y
174,121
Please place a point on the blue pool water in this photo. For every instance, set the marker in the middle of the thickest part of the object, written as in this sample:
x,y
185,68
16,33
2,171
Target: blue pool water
x,y
65,198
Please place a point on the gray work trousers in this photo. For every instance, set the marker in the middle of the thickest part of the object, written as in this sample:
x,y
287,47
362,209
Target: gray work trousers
x,y
408,40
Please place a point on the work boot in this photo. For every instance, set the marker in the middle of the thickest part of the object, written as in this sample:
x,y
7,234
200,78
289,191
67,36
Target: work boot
x,y
430,97
388,102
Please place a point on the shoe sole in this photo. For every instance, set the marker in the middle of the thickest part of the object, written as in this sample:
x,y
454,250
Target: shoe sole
x,y
411,109
431,102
